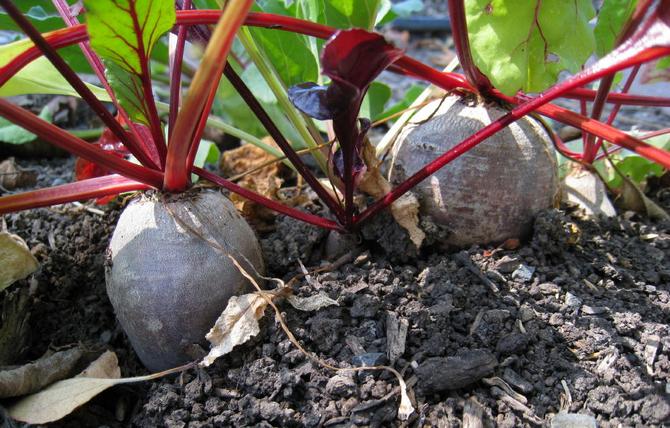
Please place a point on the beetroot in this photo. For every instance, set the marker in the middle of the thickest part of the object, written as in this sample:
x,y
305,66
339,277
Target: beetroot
x,y
490,193
168,283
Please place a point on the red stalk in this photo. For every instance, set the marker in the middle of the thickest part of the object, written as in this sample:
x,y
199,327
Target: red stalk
x,y
76,82
66,141
202,123
70,192
177,169
175,80
284,145
591,155
590,145
269,203
459,30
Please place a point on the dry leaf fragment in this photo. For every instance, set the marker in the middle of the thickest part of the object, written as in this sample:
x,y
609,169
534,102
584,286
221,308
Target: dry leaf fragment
x,y
237,324
266,181
105,366
15,258
11,176
405,210
633,198
311,303
38,374
61,398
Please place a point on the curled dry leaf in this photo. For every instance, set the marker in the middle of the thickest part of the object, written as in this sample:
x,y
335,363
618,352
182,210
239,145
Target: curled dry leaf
x,y
405,210
405,409
247,161
311,303
11,176
38,374
61,398
15,258
105,366
633,198
237,324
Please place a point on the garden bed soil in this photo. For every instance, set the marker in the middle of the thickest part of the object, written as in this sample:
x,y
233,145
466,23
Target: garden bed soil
x,y
577,319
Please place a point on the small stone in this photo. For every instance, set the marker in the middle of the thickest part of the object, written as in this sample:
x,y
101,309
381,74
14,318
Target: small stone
x,y
441,374
523,273
573,420
507,264
341,386
572,301
556,319
549,288
518,382
526,314
368,359
514,343
593,310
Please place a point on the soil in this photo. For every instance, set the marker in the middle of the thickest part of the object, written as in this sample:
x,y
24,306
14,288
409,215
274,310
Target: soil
x,y
576,320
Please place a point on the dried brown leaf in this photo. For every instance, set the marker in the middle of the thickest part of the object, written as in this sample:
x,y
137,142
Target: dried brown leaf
x,y
266,181
105,366
586,189
61,398
11,176
311,303
15,258
405,210
38,374
237,324
633,198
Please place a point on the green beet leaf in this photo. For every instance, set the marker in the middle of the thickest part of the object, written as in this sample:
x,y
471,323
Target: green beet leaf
x,y
14,134
524,45
38,77
341,13
123,33
611,19
375,100
41,13
290,53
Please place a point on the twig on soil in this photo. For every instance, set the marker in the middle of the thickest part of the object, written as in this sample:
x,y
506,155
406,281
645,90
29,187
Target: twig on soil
x,y
464,258
566,399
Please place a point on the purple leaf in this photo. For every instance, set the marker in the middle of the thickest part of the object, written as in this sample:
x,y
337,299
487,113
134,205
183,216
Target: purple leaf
x,y
352,59
357,57
312,100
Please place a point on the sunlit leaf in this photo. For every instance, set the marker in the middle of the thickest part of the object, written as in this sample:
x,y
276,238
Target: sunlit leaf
x,y
524,45
14,134
341,13
611,18
38,77
123,33
375,100
289,53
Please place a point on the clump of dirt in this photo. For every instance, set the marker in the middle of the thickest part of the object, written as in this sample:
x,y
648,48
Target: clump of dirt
x,y
575,320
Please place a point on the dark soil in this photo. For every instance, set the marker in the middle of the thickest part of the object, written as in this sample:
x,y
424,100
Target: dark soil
x,y
587,332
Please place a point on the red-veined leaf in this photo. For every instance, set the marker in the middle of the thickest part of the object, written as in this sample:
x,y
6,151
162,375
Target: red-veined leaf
x,y
123,33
